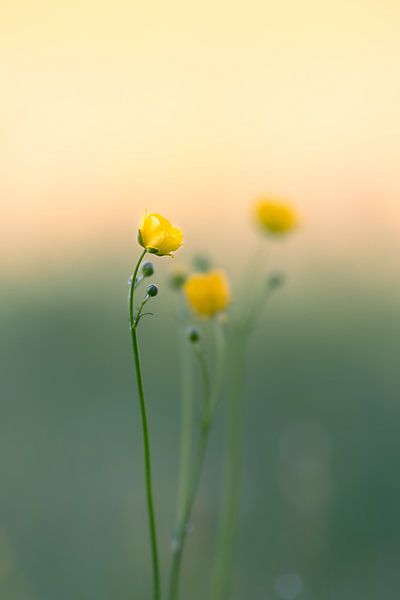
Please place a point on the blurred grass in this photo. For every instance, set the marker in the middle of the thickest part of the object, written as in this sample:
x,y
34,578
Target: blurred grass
x,y
320,490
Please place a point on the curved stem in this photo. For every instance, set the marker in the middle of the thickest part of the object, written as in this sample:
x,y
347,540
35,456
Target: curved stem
x,y
211,397
146,443
134,282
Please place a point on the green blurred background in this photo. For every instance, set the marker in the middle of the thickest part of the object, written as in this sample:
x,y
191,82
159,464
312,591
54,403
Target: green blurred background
x,y
194,110
319,511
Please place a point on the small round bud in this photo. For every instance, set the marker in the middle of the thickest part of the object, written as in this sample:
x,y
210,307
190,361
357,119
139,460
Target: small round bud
x,y
201,263
147,269
193,335
276,280
152,290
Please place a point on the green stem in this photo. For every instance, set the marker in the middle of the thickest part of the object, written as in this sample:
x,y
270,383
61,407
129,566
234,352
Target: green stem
x,y
211,397
146,443
186,436
134,283
232,471
230,505
256,310
181,530
254,294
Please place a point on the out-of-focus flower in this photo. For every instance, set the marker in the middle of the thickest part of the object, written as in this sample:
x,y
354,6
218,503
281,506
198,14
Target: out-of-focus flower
x,y
158,236
276,216
207,293
201,263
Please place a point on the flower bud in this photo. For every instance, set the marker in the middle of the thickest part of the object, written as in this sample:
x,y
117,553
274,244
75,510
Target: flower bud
x,y
147,269
276,280
193,335
152,290
201,263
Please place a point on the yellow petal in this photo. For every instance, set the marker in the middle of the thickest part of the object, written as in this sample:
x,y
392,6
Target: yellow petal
x,y
157,233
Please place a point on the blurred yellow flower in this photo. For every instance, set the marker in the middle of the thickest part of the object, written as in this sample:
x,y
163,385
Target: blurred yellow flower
x,y
207,293
158,236
275,216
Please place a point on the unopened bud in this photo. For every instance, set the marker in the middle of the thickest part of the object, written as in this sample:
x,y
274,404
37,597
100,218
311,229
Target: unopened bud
x,y
193,335
276,280
147,269
201,263
152,290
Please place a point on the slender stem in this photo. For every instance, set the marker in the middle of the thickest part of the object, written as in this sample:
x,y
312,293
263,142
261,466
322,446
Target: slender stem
x,y
220,365
232,471
186,434
256,310
182,529
134,282
255,294
230,506
149,492
211,397
146,443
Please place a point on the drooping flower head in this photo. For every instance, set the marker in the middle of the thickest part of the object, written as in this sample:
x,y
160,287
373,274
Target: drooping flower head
x,y
207,293
158,236
276,216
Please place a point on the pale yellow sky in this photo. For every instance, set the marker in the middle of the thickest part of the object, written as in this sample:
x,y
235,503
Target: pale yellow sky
x,y
194,109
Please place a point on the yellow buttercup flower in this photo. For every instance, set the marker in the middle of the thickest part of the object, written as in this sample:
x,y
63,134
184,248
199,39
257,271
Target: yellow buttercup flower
x,y
207,293
158,236
276,216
